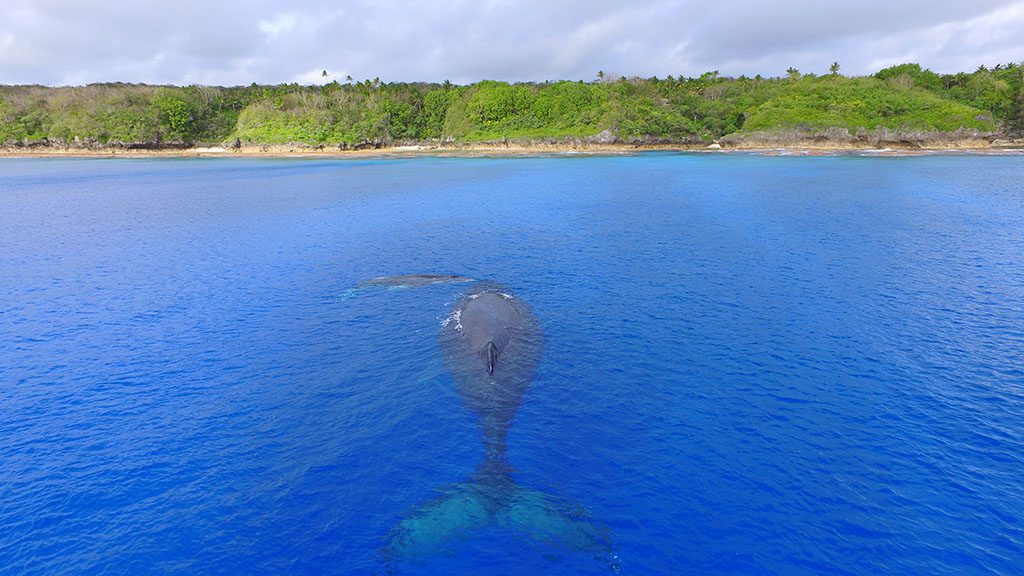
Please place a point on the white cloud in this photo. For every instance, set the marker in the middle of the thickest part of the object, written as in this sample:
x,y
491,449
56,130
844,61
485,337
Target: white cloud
x,y
278,24
317,77
992,38
70,41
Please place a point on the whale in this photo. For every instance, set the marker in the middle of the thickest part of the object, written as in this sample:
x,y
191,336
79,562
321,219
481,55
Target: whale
x,y
492,345
413,280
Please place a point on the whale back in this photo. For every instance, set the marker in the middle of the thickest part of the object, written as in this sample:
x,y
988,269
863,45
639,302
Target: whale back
x,y
489,322
413,280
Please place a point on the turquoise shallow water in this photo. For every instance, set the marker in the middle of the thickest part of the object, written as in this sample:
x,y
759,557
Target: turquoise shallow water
x,y
751,365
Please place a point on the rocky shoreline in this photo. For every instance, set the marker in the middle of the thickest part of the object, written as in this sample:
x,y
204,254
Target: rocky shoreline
x,y
833,140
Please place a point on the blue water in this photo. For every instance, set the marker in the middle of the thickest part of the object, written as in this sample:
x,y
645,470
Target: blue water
x,y
753,365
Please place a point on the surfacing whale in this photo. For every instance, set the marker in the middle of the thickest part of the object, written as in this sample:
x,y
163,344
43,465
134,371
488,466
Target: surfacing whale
x,y
413,280
492,345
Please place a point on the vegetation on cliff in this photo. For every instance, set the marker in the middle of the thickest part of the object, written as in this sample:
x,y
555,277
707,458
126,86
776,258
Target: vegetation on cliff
x,y
905,97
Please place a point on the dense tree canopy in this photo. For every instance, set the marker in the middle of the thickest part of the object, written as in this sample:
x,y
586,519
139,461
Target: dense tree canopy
x,y
372,112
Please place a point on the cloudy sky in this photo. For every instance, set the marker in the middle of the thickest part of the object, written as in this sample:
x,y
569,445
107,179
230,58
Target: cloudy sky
x,y
59,42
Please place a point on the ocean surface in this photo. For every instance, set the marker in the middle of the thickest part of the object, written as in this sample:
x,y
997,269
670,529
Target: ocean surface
x,y
751,365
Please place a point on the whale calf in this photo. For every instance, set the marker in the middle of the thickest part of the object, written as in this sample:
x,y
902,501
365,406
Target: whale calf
x,y
492,345
413,280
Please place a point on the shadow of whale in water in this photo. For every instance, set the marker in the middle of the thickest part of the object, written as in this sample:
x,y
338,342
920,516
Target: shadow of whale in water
x,y
492,345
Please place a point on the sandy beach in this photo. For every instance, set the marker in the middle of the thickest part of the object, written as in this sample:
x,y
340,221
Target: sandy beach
x,y
810,148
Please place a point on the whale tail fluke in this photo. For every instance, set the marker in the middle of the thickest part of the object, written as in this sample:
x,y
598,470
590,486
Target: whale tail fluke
x,y
464,510
551,521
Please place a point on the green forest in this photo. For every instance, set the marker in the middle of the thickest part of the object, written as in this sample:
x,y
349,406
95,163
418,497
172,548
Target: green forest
x,y
375,113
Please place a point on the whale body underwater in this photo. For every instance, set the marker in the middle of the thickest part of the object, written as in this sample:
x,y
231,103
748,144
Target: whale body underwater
x,y
492,346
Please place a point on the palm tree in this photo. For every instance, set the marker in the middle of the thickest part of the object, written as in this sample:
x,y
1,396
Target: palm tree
x,y
834,69
793,73
600,75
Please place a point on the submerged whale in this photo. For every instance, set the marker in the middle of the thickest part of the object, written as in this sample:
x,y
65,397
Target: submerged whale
x,y
492,345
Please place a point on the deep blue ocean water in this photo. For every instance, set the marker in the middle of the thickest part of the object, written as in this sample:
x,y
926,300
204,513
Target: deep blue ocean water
x,y
753,365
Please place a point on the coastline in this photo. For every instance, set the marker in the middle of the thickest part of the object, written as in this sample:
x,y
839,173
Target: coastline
x,y
510,149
